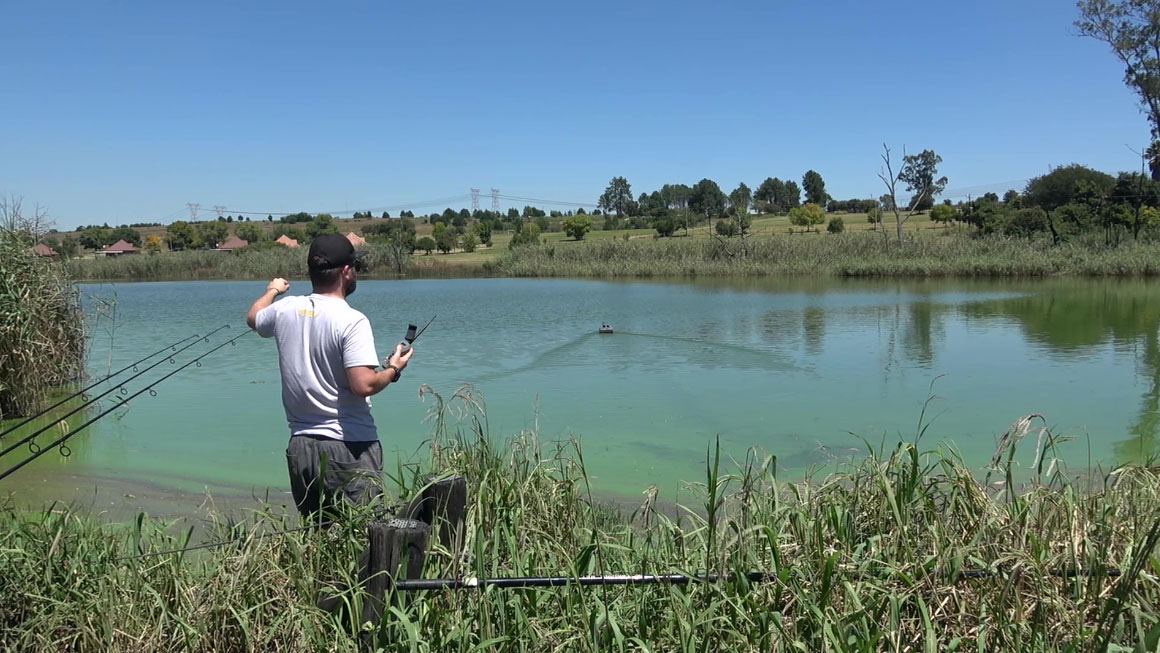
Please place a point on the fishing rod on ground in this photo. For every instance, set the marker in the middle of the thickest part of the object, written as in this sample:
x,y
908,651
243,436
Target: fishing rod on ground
x,y
28,438
133,366
65,451
426,584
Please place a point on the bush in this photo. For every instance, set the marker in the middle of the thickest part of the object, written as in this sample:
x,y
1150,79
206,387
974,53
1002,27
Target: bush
x,y
665,226
836,225
576,226
529,234
727,228
807,215
469,241
943,214
426,243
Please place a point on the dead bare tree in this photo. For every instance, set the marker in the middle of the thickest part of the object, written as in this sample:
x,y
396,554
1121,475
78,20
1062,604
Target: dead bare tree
x,y
918,173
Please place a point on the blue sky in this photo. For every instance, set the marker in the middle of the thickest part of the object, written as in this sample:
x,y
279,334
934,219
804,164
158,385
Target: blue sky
x,y
125,111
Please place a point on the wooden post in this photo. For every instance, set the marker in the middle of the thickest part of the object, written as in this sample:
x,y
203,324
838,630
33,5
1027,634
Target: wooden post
x,y
442,502
397,549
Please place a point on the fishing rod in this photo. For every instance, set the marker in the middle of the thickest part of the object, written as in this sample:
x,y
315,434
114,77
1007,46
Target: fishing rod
x,y
65,451
424,584
133,366
121,386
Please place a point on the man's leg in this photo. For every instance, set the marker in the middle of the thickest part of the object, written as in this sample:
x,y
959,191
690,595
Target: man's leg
x,y
356,473
302,463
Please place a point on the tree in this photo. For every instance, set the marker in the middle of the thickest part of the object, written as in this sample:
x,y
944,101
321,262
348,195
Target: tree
x,y
943,214
426,243
815,188
740,199
1137,191
323,223
836,226
676,198
577,225
483,227
289,232
181,235
398,236
251,233
1065,185
768,195
616,196
793,195
469,240
807,215
67,247
95,238
918,173
726,228
707,200
153,244
528,234
1132,29
127,234
664,225
1079,188
212,233
874,217
445,239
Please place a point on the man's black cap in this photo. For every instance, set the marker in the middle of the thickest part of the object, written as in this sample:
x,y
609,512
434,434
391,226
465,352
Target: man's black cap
x,y
331,251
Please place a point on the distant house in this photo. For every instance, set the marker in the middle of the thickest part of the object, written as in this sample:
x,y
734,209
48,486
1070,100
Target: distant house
x,y
118,248
356,239
286,240
232,243
43,250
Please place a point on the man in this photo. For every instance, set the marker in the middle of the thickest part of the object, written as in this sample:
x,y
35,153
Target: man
x,y
326,355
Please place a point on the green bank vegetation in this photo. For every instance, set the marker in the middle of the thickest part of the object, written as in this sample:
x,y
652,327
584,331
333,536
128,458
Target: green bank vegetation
x,y
42,340
869,557
1073,220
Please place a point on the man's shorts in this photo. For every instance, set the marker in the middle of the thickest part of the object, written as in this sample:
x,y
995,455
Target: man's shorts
x,y
324,470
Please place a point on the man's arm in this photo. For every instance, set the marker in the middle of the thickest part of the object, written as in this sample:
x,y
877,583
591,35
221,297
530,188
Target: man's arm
x,y
365,381
273,289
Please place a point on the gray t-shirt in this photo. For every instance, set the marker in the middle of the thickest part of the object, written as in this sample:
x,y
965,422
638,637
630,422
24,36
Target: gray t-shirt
x,y
319,337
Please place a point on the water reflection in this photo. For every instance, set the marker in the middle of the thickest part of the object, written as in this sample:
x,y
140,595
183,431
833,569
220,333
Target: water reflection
x,y
1076,321
904,324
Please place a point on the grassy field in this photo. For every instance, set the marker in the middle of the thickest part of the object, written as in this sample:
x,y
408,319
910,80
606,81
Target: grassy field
x,y
762,225
773,248
905,549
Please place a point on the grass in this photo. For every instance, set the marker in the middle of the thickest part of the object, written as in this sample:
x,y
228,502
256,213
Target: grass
x,y
848,254
774,248
42,338
864,559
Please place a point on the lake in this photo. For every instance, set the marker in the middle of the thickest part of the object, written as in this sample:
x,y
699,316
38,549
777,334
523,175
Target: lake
x,y
805,369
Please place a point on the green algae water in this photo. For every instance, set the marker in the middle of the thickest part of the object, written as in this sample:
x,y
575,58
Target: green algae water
x,y
805,369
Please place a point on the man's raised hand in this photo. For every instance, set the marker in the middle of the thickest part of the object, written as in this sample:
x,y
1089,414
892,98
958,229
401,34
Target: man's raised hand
x,y
278,285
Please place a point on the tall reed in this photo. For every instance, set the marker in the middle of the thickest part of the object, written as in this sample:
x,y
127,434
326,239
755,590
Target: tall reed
x,y
847,254
265,263
42,337
867,558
